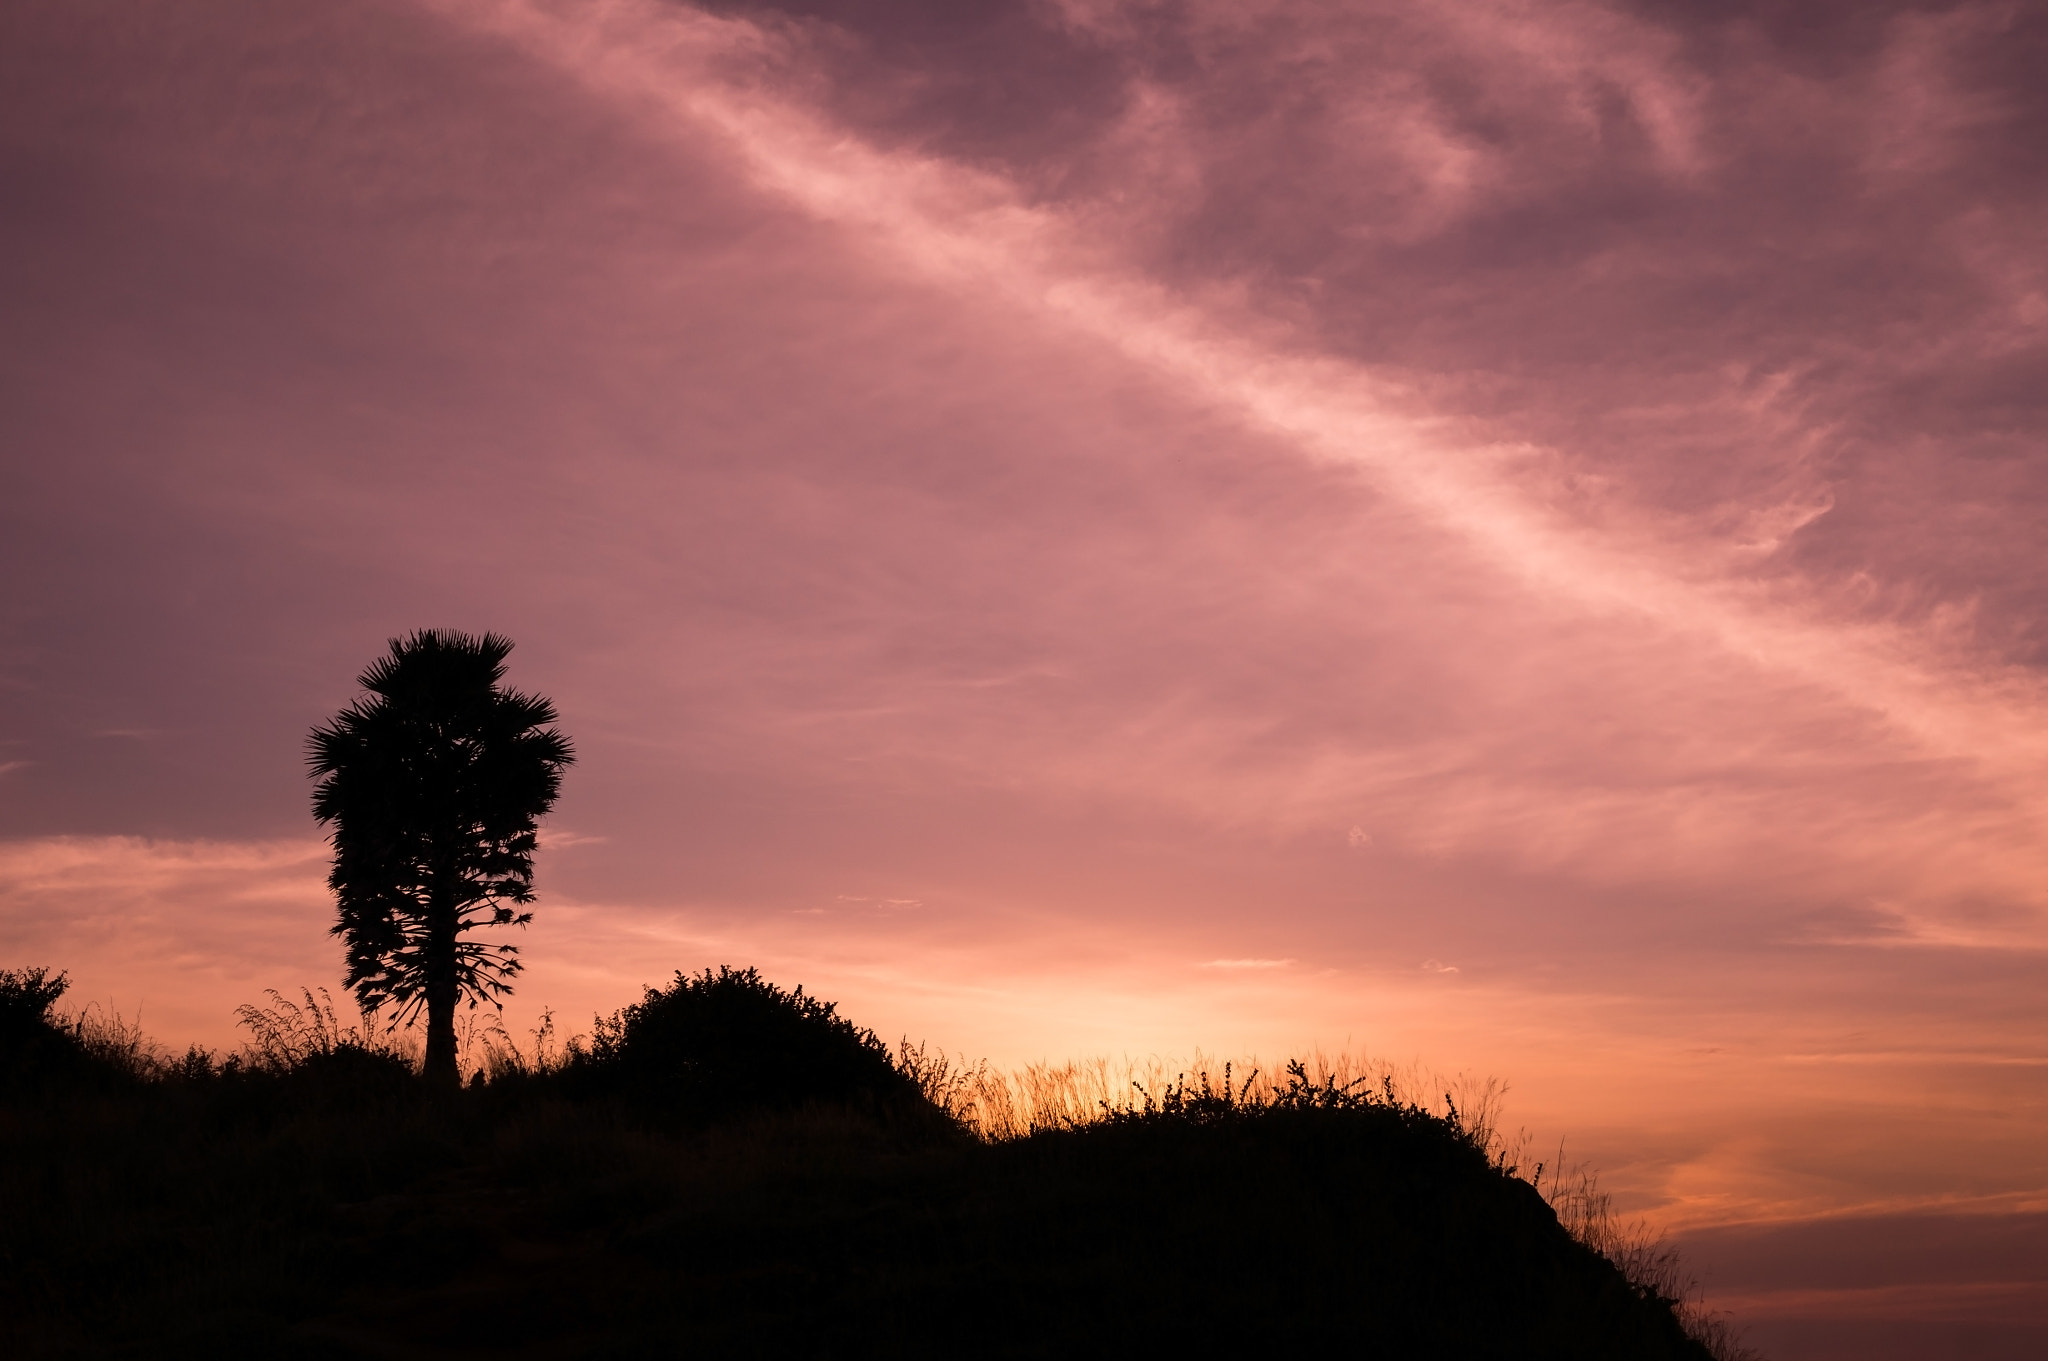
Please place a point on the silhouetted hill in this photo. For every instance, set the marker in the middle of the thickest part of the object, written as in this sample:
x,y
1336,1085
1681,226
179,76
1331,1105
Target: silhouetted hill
x,y
326,1205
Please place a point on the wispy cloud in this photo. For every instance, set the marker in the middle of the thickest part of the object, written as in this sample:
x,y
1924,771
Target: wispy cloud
x,y
1680,611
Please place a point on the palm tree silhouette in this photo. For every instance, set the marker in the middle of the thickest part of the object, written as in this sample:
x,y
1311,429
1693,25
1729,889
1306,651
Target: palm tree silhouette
x,y
433,782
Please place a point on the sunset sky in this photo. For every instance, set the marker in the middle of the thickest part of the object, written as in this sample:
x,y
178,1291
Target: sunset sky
x,y
1499,536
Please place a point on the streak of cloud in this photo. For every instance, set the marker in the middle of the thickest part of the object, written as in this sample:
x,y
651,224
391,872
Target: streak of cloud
x,y
1913,694
972,231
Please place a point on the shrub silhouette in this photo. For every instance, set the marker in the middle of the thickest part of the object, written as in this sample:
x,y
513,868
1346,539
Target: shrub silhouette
x,y
33,1049
716,1044
26,996
348,1075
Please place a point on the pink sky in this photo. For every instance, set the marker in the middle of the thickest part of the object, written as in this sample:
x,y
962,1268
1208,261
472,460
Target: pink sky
x,y
1497,535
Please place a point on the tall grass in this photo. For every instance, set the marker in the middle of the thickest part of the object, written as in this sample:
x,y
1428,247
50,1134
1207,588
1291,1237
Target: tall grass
x,y
105,1035
998,1106
1642,1253
991,1105
286,1034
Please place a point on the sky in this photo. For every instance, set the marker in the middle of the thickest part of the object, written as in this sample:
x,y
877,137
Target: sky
x,y
1500,537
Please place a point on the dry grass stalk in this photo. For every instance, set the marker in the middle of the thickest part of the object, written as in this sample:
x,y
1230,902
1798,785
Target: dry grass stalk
x,y
998,1106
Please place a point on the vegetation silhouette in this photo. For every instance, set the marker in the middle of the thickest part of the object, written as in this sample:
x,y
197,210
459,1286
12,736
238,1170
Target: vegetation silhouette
x,y
717,1044
33,1049
434,782
730,1167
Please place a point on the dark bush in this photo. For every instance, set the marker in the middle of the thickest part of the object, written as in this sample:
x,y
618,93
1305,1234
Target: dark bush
x,y
717,1044
350,1074
26,996
33,1049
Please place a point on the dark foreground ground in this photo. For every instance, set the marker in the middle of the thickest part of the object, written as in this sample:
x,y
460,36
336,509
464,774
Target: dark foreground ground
x,y
358,1218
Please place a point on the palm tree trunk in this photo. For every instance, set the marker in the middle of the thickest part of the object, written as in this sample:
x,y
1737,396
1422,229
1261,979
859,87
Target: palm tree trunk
x,y
440,1066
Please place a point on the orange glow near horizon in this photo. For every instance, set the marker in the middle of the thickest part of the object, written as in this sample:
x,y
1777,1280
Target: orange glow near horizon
x,y
1696,1112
